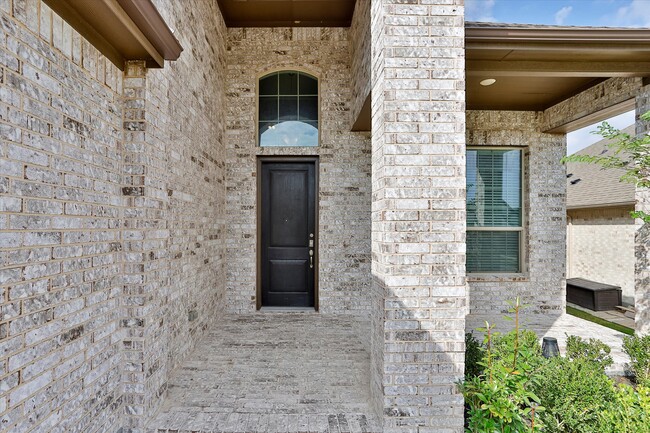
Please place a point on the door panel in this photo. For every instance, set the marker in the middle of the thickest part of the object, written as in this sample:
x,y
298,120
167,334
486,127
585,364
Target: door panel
x,y
289,275
288,222
289,208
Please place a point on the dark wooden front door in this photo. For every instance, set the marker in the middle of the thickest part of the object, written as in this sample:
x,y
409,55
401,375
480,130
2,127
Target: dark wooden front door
x,y
288,236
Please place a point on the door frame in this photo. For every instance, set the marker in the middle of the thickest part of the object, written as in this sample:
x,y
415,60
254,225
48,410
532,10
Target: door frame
x,y
258,203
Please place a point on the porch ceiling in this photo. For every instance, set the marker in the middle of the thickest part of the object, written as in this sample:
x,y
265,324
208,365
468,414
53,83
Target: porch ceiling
x,y
287,13
536,67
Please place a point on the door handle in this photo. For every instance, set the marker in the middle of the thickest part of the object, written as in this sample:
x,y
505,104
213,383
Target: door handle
x,y
311,259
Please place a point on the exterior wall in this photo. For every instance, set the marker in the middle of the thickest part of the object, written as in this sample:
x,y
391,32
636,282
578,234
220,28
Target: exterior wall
x,y
60,210
174,238
378,289
418,214
542,285
344,190
599,97
111,252
600,247
642,237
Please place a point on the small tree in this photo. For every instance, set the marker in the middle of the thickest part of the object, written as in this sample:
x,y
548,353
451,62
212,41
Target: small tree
x,y
630,153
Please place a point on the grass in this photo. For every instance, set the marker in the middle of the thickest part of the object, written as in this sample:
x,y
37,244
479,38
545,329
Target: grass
x,y
586,316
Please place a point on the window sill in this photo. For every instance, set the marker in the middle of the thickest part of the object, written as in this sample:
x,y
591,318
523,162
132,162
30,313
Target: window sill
x,y
501,278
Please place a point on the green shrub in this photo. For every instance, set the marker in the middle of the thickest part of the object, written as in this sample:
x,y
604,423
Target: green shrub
x,y
510,388
592,350
573,391
474,356
629,411
527,344
500,398
638,349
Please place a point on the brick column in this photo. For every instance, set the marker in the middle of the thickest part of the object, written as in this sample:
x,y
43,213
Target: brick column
x,y
145,240
418,213
642,236
134,298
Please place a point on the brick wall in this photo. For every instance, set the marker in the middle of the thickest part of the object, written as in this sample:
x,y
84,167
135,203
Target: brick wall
x,y
60,211
642,236
600,247
378,289
542,284
599,97
175,226
112,220
418,213
344,194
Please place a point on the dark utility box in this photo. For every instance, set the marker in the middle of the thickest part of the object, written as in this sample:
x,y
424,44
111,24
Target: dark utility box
x,y
593,295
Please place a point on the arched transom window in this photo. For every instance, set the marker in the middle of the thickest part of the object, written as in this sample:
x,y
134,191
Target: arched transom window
x,y
288,109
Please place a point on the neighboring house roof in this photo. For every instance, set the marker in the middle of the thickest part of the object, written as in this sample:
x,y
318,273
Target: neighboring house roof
x,y
589,185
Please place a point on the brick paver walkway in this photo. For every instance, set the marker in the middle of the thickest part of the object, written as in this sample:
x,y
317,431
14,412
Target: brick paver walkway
x,y
276,372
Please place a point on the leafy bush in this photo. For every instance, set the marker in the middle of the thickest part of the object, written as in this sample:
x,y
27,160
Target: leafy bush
x,y
500,398
638,349
474,356
527,344
592,350
574,391
510,388
629,411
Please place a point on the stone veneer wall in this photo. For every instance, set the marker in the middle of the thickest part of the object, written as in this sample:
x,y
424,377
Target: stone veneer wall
x,y
599,97
600,247
344,190
111,219
418,214
642,237
542,284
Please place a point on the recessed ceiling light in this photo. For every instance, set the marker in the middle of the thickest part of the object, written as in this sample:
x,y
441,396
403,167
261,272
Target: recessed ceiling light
x,y
488,82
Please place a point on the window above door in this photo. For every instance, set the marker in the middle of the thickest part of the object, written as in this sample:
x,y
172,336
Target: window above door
x,y
288,109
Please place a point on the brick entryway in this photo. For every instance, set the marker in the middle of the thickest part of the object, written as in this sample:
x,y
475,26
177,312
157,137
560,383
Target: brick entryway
x,y
276,372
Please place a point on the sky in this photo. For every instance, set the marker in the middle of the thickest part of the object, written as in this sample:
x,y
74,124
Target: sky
x,y
599,13
611,13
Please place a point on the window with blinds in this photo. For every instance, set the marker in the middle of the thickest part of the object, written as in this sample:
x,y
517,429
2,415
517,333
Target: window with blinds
x,y
494,210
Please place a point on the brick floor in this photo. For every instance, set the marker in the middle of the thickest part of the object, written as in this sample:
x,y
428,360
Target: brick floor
x,y
275,372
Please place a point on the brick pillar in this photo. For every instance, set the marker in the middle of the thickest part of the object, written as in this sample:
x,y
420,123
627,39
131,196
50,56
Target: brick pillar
x,y
642,236
145,240
418,214
134,91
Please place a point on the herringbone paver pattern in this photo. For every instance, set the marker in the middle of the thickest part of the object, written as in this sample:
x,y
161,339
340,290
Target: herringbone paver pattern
x,y
279,372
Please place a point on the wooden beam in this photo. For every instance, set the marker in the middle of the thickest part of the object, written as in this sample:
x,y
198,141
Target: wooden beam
x,y
135,32
70,15
121,29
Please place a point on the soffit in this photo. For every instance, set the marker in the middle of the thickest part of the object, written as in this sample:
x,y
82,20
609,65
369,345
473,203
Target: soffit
x,y
536,67
287,13
121,29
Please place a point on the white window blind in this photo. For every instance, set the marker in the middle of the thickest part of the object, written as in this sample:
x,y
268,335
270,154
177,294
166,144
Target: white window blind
x,y
494,210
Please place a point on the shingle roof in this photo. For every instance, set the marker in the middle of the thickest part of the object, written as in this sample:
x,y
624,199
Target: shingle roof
x,y
589,185
484,24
